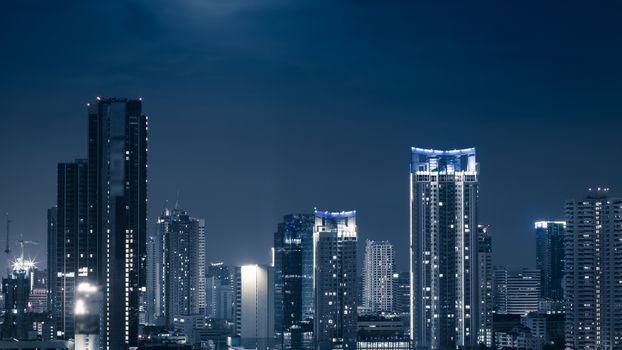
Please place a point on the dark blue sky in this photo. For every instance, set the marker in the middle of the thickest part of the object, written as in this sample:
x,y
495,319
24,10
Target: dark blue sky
x,y
261,108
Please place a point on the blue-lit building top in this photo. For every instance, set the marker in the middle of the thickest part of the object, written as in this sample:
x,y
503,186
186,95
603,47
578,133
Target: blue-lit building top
x,y
449,161
335,214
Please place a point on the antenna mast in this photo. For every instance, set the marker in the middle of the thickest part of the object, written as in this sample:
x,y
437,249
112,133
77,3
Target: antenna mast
x,y
7,250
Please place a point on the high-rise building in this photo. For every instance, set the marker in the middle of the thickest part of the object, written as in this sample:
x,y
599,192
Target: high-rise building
x,y
72,243
444,248
182,281
593,271
485,335
401,292
219,299
550,257
378,276
334,246
15,289
516,291
87,313
117,214
51,258
254,306
152,295
293,271
38,298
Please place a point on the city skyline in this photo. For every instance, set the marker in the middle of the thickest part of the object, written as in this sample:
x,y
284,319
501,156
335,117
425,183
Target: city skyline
x,y
224,79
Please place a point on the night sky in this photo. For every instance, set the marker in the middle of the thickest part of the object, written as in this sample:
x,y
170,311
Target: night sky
x,y
262,108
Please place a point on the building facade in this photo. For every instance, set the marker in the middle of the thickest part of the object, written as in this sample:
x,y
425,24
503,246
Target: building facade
x,y
117,214
182,262
220,296
516,291
72,244
254,306
335,279
550,257
293,270
485,335
593,271
378,267
444,248
401,293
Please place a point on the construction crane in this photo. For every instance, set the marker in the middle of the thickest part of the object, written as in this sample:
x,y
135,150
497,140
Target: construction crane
x,y
21,243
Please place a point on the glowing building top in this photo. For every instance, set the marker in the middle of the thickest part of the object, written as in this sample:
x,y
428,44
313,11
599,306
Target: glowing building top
x,y
443,161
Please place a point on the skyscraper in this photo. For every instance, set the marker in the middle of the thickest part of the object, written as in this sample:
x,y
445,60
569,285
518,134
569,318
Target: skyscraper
x,y
219,290
485,274
444,248
516,291
182,281
334,246
117,214
550,257
593,271
254,306
152,295
52,258
378,276
401,292
293,270
73,244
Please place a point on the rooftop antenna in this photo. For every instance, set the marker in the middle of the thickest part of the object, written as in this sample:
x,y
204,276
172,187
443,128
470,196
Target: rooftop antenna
x,y
7,250
177,201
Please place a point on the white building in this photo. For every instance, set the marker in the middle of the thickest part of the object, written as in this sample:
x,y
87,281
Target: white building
x,y
378,269
254,301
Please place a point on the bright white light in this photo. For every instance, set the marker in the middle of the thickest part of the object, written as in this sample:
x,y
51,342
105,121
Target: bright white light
x,y
80,307
85,287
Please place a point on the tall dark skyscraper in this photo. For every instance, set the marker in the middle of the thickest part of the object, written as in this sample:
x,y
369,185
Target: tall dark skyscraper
x,y
593,271
72,244
444,248
51,260
293,265
334,246
550,257
117,214
401,292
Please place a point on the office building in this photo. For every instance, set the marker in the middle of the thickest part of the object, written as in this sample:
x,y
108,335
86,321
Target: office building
x,y
444,248
550,257
516,291
485,335
293,271
117,215
335,279
254,306
38,297
15,289
152,294
182,280
593,271
401,293
87,311
382,332
52,270
378,269
71,244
